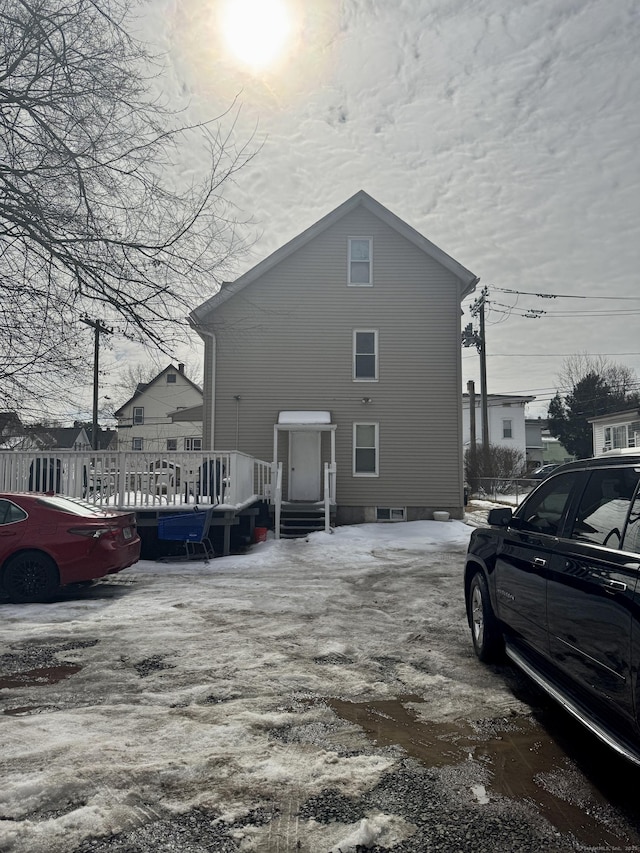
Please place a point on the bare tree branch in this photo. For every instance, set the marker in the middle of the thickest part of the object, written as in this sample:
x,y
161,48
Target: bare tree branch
x,y
93,213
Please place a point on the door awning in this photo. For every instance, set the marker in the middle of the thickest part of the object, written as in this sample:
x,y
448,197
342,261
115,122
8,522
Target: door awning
x,y
304,418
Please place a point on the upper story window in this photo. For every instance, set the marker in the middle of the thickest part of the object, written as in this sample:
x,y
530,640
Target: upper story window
x,y
136,444
361,261
171,379
365,355
507,428
138,414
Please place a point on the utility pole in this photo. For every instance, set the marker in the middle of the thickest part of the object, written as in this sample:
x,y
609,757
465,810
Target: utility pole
x,y
97,327
472,338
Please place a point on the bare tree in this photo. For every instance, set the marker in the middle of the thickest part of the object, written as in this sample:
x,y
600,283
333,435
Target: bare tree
x,y
621,380
93,219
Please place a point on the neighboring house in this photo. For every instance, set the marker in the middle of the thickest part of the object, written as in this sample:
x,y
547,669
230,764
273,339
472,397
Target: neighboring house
x,y
107,438
616,430
533,433
505,413
62,438
343,347
542,447
14,435
144,421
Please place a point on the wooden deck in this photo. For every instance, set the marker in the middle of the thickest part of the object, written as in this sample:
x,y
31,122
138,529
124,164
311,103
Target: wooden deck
x,y
233,484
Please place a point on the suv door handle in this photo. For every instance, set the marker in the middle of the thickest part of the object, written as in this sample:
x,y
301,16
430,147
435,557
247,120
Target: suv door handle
x,y
538,561
614,586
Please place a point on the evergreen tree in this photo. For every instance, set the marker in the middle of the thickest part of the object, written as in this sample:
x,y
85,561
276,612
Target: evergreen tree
x,y
569,418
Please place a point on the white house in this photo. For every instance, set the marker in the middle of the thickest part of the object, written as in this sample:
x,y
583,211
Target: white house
x,y
145,421
505,414
616,431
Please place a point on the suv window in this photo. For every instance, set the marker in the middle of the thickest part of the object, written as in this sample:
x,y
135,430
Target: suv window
x,y
544,511
603,508
632,533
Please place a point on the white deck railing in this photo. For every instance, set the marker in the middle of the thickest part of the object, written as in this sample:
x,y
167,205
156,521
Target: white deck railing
x,y
136,480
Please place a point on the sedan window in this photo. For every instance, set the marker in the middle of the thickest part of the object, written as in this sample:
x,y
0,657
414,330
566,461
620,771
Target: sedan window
x,y
604,505
9,512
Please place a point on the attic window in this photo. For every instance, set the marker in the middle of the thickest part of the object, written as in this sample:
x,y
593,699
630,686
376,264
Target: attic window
x,y
360,261
171,379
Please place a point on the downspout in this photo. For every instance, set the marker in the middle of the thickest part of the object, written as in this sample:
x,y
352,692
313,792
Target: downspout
x,y
209,338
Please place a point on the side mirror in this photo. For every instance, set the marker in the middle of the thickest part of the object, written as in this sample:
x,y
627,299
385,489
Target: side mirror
x,y
500,517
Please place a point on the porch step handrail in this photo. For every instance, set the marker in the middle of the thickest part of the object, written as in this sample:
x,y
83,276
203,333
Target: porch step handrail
x,y
277,497
329,493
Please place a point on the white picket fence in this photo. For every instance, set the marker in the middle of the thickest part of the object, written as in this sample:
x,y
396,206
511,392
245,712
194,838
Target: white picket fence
x,y
136,479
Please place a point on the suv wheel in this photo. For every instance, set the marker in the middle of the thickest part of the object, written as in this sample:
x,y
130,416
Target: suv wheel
x,y
485,632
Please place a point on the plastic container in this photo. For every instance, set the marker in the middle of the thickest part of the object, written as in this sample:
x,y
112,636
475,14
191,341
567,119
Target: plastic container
x,y
260,534
440,515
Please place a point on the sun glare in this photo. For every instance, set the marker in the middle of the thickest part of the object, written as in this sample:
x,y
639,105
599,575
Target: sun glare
x,y
256,31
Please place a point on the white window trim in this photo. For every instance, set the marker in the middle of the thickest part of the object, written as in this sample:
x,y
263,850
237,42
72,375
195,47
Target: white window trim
x,y
133,416
356,332
375,473
506,421
190,441
360,283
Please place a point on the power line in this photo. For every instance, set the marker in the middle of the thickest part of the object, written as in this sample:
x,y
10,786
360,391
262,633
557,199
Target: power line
x,y
562,295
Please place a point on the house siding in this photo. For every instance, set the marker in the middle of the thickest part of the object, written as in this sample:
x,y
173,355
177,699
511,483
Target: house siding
x,y
284,342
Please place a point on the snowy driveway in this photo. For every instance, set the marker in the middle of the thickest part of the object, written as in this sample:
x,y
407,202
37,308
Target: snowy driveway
x,y
310,696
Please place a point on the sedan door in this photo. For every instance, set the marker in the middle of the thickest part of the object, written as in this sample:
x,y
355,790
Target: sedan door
x,y
13,526
591,587
525,556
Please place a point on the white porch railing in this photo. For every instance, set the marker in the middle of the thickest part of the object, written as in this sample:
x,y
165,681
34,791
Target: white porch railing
x,y
138,479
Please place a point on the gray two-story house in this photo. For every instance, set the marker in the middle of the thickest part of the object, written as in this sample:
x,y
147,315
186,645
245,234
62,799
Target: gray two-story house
x,y
338,357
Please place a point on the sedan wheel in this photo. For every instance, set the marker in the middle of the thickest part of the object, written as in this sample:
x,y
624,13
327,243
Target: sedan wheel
x,y
485,631
30,577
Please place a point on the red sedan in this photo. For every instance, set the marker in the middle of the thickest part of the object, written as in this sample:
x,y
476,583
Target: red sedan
x,y
47,541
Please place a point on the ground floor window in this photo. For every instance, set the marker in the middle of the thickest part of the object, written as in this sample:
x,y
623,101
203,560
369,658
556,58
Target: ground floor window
x,y
391,513
193,444
172,444
137,444
365,450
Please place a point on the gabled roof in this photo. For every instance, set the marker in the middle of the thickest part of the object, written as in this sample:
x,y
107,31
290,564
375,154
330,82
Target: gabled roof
x,y
189,413
630,413
361,198
62,437
142,386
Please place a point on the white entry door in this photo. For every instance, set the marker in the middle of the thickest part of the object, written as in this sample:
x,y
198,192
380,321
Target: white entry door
x,y
304,465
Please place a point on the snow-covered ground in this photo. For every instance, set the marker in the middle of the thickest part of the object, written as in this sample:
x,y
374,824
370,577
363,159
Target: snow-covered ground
x,y
194,700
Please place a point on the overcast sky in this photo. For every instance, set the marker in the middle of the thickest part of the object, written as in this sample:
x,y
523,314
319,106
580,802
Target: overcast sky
x,y
507,133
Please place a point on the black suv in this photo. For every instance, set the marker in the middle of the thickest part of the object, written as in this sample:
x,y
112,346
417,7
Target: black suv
x,y
555,585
